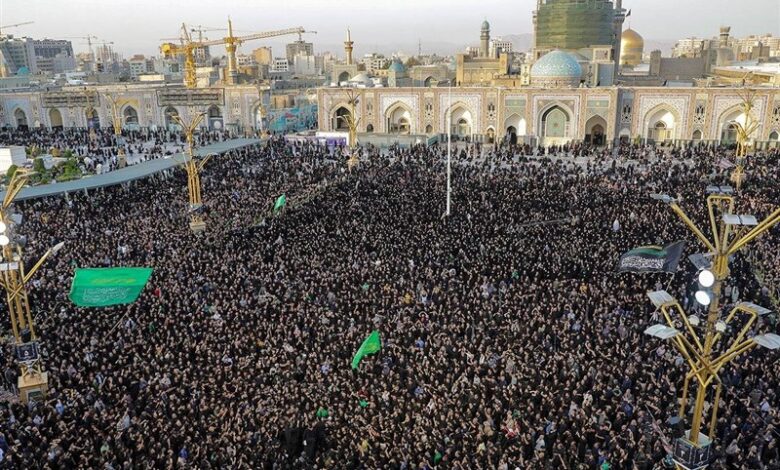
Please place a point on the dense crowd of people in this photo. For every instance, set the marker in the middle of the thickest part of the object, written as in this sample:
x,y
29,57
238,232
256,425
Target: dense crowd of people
x,y
508,339
98,149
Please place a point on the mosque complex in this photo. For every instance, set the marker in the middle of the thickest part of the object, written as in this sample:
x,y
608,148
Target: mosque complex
x,y
585,80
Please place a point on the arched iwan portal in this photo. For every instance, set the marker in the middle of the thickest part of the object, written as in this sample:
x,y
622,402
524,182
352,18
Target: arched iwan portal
x,y
21,119
661,125
55,118
399,119
596,131
555,126
341,117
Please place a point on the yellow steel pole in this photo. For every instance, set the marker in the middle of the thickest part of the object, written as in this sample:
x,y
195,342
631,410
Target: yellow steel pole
x,y
33,378
714,418
684,400
193,171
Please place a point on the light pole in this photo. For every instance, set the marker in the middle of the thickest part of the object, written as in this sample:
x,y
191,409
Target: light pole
x,y
449,151
33,381
193,169
116,121
352,123
729,234
744,131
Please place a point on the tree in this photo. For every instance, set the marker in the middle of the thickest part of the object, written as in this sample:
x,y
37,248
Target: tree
x,y
10,172
411,62
38,166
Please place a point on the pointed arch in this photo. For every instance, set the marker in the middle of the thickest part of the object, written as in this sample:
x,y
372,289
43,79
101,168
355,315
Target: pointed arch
x,y
490,135
596,130
93,118
728,123
55,119
214,116
462,119
339,117
170,113
661,123
399,119
555,124
130,116
20,119
515,124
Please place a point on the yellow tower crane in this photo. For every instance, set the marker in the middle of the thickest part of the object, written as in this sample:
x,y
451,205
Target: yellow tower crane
x,y
188,46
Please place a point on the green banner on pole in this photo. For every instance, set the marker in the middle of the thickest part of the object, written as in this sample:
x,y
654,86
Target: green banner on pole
x,y
102,287
371,345
280,203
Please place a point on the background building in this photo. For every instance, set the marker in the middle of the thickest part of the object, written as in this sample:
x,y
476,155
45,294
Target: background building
x,y
35,56
299,47
263,55
580,26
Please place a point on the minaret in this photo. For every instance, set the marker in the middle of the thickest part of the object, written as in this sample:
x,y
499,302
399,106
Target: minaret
x,y
617,35
484,37
348,47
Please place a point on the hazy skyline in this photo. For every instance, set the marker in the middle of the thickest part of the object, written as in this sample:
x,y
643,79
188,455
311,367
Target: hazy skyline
x,y
136,27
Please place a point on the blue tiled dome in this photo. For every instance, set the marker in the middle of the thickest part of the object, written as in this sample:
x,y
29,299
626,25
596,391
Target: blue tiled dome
x,y
485,25
556,64
397,67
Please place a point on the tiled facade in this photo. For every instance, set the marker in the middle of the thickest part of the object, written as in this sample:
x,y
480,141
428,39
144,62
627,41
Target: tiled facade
x,y
553,116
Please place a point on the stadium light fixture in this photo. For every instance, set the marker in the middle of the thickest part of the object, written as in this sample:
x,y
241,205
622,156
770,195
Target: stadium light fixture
x,y
722,190
703,297
56,248
706,278
768,340
3,227
734,219
700,260
662,331
665,198
694,320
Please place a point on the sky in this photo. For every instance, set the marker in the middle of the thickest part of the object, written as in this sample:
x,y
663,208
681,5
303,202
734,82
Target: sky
x,y
136,26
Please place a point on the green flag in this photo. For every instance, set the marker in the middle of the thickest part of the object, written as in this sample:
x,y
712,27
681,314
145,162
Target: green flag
x,y
281,201
101,287
371,345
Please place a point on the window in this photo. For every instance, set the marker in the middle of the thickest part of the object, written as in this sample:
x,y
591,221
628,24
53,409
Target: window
x,y
626,109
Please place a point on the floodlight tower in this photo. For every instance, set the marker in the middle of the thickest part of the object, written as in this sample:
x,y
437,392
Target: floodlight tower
x,y
730,233
352,123
116,121
193,169
33,381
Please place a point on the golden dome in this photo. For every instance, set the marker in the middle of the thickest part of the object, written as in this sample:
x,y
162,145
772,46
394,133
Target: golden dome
x,y
631,40
631,48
